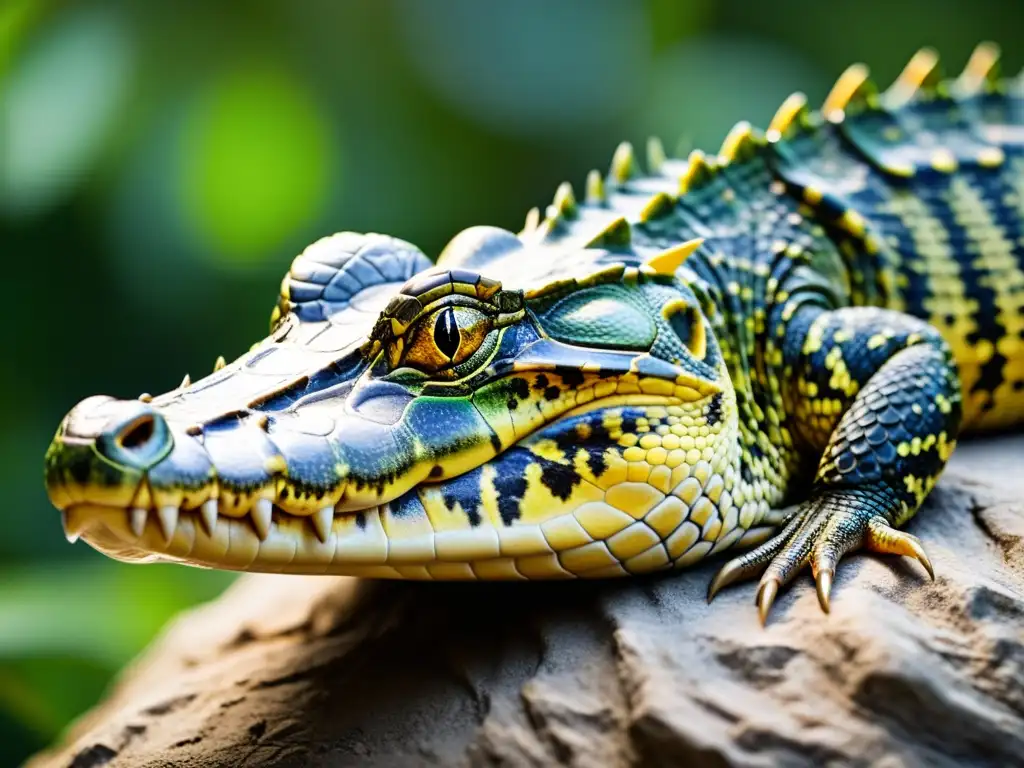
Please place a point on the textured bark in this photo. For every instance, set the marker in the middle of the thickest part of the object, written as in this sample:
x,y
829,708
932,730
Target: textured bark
x,y
290,671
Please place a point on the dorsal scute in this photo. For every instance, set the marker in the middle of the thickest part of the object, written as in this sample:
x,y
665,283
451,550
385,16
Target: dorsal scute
x,y
595,191
792,117
616,234
742,143
853,91
624,166
981,73
655,155
700,171
921,78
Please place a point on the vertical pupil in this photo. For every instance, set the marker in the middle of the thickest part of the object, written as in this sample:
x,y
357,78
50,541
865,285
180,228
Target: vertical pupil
x,y
446,333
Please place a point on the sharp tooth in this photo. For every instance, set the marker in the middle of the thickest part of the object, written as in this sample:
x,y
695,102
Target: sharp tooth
x,y
168,521
322,522
220,363
186,382
69,534
138,521
261,514
208,514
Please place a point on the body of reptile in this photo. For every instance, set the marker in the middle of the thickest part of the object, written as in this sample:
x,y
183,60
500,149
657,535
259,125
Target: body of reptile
x,y
778,345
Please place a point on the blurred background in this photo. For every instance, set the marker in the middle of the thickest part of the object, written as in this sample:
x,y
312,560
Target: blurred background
x,y
161,163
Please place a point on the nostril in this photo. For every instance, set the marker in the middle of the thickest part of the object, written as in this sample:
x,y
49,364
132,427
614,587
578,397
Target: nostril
x,y
137,433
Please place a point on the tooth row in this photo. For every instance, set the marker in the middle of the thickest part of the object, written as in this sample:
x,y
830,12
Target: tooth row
x,y
261,514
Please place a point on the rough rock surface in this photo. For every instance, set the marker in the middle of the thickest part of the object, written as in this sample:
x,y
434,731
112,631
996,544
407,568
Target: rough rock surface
x,y
290,671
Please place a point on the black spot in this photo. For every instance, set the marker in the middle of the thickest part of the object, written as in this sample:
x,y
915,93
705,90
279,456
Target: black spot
x,y
990,376
747,474
1018,385
495,442
541,382
559,479
571,377
714,414
596,462
518,390
451,498
284,493
79,471
361,521
510,483
436,471
552,393
257,730
628,424
464,490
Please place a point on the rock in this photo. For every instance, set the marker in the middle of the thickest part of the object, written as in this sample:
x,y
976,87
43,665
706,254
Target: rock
x,y
291,671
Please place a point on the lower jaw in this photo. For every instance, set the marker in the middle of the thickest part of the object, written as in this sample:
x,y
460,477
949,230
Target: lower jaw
x,y
356,545
290,546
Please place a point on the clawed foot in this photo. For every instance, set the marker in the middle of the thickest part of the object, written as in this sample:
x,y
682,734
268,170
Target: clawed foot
x,y
820,533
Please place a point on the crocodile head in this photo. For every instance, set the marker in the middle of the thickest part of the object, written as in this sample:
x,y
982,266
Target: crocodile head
x,y
477,418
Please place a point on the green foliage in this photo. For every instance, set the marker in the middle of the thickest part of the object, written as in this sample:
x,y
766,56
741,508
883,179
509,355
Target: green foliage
x,y
66,629
255,162
161,162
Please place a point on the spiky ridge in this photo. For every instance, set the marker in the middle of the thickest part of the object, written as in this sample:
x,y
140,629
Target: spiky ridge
x,y
852,94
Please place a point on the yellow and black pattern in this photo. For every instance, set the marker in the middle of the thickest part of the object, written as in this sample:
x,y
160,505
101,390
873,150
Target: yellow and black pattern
x,y
639,379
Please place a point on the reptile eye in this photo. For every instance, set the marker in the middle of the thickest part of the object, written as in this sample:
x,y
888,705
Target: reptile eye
x,y
446,333
444,339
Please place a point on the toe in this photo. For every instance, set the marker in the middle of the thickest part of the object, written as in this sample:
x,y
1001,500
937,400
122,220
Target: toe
x,y
751,563
884,539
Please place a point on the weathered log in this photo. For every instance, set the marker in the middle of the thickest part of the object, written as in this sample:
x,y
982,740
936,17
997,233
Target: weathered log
x,y
289,671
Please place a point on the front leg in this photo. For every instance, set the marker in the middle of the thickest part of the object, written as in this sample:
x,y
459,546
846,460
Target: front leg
x,y
886,419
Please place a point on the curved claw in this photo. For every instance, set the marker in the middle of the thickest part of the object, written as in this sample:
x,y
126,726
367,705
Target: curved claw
x,y
753,562
886,540
730,573
765,597
823,583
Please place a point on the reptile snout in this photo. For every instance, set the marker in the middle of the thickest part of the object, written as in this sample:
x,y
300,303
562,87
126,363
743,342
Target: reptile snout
x,y
102,448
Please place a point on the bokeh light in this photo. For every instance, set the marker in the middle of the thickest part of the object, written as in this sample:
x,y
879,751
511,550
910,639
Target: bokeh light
x,y
255,164
59,103
531,68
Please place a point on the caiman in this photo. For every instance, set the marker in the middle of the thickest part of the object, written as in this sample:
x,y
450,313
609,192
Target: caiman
x,y
773,348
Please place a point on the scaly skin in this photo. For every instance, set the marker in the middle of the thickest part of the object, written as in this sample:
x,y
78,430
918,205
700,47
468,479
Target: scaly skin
x,y
777,346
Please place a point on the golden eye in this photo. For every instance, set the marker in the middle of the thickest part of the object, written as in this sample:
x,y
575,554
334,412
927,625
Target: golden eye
x,y
445,338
